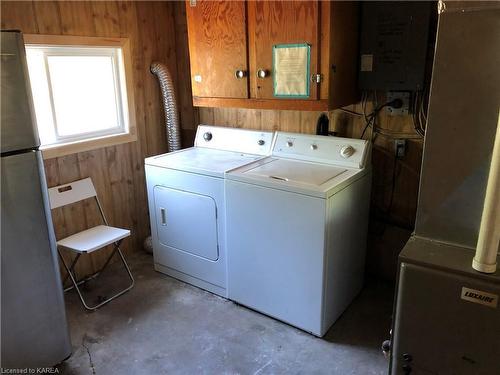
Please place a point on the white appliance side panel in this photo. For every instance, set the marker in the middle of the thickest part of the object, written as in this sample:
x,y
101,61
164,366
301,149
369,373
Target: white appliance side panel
x,y
178,210
276,245
346,247
204,273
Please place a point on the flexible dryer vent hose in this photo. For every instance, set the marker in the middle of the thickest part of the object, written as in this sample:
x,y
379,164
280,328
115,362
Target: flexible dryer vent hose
x,y
169,105
171,118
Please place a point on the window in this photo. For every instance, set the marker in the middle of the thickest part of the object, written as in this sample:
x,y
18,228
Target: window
x,y
80,93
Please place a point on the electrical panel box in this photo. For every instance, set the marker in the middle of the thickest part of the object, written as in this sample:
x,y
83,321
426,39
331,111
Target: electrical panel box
x,y
394,43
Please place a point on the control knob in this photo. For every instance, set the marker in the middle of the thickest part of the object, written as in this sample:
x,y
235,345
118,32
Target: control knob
x,y
314,147
207,136
346,151
289,144
261,142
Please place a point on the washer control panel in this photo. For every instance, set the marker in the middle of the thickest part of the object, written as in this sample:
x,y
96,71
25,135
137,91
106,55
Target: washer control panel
x,y
324,149
231,139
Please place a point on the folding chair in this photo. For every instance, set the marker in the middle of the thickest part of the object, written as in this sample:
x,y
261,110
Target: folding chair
x,y
89,240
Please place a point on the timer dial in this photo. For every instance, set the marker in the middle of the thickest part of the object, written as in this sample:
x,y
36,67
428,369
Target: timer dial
x,y
346,151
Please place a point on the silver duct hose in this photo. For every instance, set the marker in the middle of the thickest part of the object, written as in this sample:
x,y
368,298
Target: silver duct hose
x,y
169,105
171,118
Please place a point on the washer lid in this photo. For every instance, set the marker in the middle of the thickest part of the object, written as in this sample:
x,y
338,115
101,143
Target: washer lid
x,y
296,171
202,160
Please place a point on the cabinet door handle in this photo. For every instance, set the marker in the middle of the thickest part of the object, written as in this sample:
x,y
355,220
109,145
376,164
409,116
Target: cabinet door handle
x,y
240,74
262,73
163,215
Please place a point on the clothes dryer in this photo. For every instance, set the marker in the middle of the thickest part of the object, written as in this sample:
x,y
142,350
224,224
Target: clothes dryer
x,y
187,203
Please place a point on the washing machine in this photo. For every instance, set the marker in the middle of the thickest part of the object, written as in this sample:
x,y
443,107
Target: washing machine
x,y
296,229
187,203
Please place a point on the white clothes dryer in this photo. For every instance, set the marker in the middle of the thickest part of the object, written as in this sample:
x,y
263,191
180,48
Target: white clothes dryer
x,y
187,203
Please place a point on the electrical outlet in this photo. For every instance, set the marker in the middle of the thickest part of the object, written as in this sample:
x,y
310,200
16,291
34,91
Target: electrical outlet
x,y
400,148
405,98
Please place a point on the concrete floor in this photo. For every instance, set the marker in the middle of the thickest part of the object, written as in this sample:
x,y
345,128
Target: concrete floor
x,y
164,326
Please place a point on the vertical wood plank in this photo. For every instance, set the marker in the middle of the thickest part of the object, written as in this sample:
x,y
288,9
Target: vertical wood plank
x,y
153,142
207,116
105,15
270,120
290,121
18,15
188,113
250,119
47,17
76,18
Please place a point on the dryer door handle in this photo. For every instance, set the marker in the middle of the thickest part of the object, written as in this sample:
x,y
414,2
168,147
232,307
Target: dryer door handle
x,y
163,216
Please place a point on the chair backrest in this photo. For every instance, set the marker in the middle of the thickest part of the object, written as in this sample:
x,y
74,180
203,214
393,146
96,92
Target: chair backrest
x,y
73,192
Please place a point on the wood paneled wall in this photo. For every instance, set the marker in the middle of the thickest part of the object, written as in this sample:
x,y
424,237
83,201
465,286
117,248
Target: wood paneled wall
x,y
117,171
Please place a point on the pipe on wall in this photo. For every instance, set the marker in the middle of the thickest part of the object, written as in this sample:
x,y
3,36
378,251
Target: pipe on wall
x,y
485,259
169,105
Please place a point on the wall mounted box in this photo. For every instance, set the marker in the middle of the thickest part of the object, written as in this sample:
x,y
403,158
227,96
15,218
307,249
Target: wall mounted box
x,y
393,45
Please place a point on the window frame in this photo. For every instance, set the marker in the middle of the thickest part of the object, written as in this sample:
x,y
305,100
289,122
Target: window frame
x,y
94,140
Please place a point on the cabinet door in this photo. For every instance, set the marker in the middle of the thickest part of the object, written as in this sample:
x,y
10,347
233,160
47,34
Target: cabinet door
x,y
217,48
280,22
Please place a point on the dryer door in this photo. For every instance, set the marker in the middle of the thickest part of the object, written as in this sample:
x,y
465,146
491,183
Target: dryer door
x,y
187,222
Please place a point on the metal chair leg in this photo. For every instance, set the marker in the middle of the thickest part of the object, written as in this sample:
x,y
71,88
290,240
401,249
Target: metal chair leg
x,y
72,266
88,278
77,283
116,245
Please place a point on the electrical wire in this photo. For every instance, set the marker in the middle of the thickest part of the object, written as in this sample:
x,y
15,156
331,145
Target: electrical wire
x,y
419,116
368,118
351,112
372,117
368,124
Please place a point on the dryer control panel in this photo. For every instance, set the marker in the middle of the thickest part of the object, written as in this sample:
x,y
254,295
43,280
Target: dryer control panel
x,y
230,139
346,152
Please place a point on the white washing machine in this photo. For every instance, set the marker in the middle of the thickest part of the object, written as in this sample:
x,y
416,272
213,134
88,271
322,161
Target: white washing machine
x,y
187,203
296,229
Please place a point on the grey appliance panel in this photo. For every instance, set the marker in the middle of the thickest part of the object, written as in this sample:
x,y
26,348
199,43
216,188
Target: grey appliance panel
x,y
396,35
33,319
441,332
18,128
462,121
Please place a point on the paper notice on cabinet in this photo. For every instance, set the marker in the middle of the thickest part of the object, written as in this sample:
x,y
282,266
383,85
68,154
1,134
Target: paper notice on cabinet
x,y
291,70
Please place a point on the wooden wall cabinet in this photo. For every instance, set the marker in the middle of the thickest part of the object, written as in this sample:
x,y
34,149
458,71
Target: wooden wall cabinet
x,y
231,41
